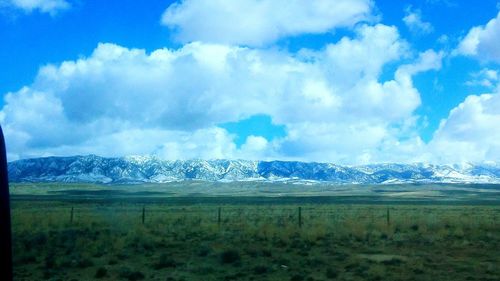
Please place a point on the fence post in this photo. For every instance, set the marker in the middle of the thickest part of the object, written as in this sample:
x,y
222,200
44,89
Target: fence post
x,y
388,217
143,214
71,215
218,216
300,217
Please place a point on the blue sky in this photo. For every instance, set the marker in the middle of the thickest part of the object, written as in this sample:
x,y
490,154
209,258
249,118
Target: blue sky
x,y
297,105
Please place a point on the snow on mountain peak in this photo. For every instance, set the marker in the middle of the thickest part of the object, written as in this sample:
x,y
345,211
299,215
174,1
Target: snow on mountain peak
x,y
136,169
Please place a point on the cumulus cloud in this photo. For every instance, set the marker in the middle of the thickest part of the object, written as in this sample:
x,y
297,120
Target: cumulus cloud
x,y
170,102
482,42
258,148
427,60
257,22
413,20
43,6
335,108
166,144
470,133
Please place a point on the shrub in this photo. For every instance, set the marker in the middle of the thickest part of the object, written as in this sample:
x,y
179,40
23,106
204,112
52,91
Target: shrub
x,y
165,261
297,277
26,258
203,270
267,253
251,252
340,256
260,269
84,262
393,261
232,277
122,255
35,241
101,272
331,273
50,260
48,273
230,256
131,275
203,251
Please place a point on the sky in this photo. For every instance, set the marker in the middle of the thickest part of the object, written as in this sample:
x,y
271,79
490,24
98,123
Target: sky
x,y
347,81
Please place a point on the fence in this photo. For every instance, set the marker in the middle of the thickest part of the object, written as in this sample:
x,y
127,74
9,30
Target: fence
x,y
299,215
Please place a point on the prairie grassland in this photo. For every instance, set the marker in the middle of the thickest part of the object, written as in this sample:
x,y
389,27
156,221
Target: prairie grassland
x,y
108,241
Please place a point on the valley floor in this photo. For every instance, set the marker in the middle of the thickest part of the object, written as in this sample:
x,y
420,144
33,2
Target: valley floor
x,y
191,238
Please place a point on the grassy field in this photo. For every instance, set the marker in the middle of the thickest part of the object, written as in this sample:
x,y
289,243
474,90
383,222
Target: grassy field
x,y
321,193
184,239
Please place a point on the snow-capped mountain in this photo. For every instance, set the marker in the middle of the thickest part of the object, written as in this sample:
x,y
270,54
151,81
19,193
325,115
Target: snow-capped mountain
x,y
138,169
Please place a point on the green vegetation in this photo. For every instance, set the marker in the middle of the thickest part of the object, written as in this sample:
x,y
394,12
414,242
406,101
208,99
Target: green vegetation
x,y
107,241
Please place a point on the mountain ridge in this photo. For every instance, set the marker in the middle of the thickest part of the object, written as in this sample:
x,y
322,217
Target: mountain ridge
x,y
150,169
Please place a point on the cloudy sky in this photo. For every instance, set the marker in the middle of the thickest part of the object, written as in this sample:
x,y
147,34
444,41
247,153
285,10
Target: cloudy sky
x,y
343,81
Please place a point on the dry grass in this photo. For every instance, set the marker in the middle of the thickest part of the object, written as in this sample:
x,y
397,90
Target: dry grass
x,y
255,242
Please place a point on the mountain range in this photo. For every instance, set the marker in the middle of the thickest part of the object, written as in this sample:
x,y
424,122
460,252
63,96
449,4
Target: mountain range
x,y
150,169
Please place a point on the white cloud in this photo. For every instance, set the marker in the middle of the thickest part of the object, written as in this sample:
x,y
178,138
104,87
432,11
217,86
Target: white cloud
x,y
482,41
166,144
486,78
413,20
470,133
332,102
258,22
44,6
443,39
257,148
121,101
362,142
428,60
